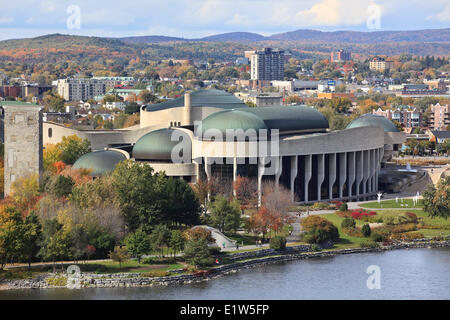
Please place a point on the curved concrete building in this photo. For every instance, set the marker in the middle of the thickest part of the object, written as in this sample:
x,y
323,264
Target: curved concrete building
x,y
209,134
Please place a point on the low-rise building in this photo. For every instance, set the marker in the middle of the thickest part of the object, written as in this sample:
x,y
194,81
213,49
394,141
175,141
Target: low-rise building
x,y
409,118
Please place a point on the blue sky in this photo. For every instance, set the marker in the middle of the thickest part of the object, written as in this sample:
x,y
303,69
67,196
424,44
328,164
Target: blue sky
x,y
197,18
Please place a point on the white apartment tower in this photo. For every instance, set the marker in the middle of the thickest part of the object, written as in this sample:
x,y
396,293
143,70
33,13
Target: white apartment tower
x,y
267,64
76,89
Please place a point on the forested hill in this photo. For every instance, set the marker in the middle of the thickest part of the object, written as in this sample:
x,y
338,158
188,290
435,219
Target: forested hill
x,y
431,35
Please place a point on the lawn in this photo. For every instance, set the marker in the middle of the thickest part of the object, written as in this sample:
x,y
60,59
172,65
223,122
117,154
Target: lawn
x,y
438,226
407,203
129,266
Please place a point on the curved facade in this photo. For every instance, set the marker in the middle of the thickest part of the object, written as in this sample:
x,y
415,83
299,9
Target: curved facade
x,y
288,145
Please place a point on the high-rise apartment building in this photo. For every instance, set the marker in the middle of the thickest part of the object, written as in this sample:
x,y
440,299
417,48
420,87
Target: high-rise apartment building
x,y
380,64
267,64
341,56
439,117
76,89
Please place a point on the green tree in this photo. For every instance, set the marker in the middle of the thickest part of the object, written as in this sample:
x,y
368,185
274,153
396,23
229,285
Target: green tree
x,y
196,252
132,108
120,255
134,184
54,101
11,230
436,200
138,244
147,97
72,148
160,238
31,235
366,230
61,186
55,242
225,214
177,241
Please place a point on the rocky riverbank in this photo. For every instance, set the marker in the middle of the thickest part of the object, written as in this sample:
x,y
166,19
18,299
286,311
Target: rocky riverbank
x,y
247,260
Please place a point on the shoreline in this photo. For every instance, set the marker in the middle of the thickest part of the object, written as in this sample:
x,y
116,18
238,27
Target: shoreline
x,y
127,280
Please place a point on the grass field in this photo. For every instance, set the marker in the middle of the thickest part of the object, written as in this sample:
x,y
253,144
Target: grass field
x,y
407,203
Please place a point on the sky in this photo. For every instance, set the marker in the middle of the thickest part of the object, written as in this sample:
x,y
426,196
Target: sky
x,y
199,18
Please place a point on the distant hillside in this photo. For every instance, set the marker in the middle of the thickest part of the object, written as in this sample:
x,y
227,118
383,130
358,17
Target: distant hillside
x,y
434,35
149,39
60,41
235,36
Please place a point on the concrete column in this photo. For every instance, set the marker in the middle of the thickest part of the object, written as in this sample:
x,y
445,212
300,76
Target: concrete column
x,y
342,173
308,174
207,168
359,170
320,174
294,171
261,169
234,174
374,169
366,170
208,172
331,174
351,172
279,169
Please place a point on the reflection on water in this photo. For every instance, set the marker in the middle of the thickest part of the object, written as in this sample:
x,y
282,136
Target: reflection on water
x,y
405,274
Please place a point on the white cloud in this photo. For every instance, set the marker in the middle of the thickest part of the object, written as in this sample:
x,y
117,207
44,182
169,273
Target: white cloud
x,y
444,15
6,20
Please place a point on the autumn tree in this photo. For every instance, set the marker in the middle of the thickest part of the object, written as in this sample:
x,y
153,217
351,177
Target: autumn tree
x,y
246,191
436,200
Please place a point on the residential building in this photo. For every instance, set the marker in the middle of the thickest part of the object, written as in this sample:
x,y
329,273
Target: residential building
x,y
439,117
341,56
409,118
116,105
267,64
80,89
380,64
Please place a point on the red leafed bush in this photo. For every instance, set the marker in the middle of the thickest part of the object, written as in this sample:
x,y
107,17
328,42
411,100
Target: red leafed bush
x,y
361,213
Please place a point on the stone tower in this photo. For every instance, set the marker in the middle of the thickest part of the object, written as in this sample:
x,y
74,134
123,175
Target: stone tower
x,y
23,141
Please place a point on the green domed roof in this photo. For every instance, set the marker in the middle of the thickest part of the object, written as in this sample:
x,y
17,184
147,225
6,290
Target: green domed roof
x,y
290,118
232,119
158,145
100,162
373,120
283,118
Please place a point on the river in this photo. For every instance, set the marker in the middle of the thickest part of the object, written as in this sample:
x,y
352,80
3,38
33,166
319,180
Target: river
x,y
404,274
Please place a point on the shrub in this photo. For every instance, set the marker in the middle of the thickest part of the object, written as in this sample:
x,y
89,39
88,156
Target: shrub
x,y
366,230
353,232
377,237
343,207
320,205
155,273
57,282
407,236
348,223
388,220
315,247
369,244
214,249
400,228
318,230
278,243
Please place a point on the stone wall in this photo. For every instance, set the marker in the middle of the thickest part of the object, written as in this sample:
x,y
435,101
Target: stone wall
x,y
136,279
